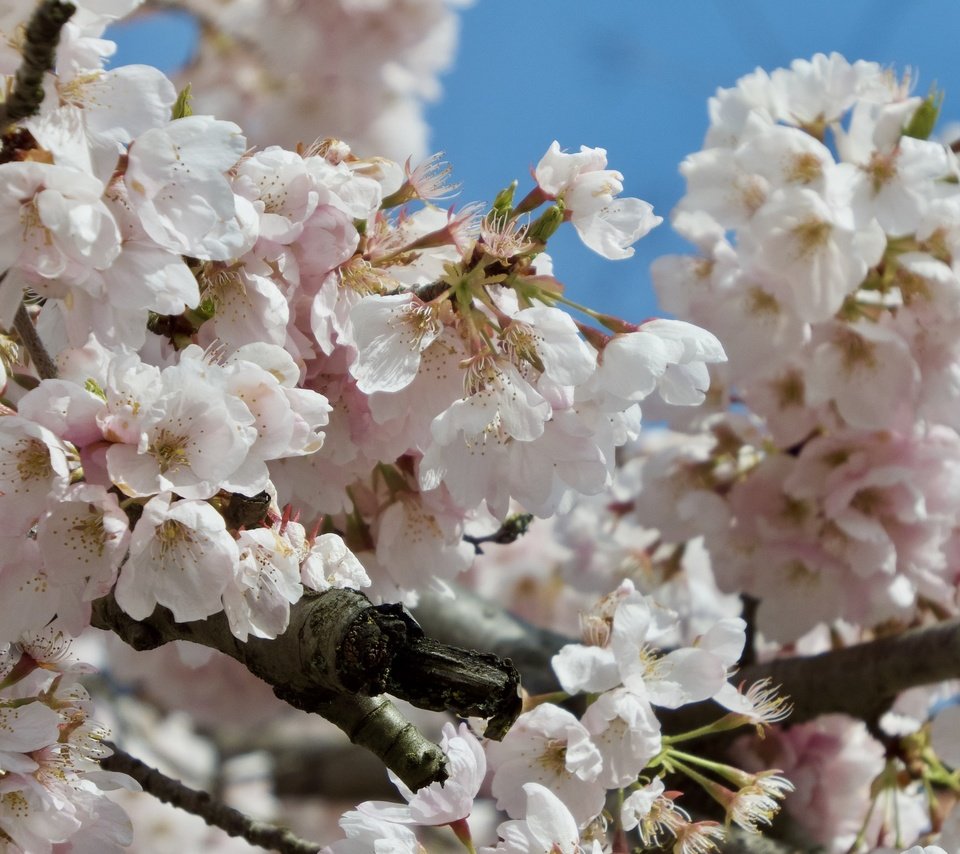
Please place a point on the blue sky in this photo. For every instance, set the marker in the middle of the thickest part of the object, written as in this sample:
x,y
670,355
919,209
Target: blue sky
x,y
631,76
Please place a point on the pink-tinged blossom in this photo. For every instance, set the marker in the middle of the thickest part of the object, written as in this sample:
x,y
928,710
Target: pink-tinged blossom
x,y
267,582
248,308
886,502
110,108
191,443
439,803
547,339
329,563
28,599
53,222
282,191
177,185
731,185
368,834
547,825
414,533
288,420
670,356
626,732
548,745
896,186
23,730
685,675
500,410
812,250
831,762
391,332
588,190
33,467
181,557
83,540
866,371
651,810
52,785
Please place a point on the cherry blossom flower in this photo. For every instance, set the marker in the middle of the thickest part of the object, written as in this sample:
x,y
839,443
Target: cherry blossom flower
x,y
266,584
63,229
181,556
192,441
548,825
329,563
390,333
609,226
439,803
548,745
177,185
33,467
627,734
668,355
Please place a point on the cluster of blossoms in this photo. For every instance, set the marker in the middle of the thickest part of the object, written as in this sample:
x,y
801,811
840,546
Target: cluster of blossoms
x,y
287,370
553,771
825,220
361,69
231,324
617,743
827,223
237,331
51,783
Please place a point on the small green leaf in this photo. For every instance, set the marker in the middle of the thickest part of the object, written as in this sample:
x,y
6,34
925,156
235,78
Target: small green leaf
x,y
925,118
181,107
94,387
503,203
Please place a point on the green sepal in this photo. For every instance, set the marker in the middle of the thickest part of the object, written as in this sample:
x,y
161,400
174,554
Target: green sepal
x,y
181,107
925,118
503,203
546,225
94,387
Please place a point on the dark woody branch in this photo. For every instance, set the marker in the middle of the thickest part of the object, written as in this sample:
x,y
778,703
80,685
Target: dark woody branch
x,y
861,681
338,654
39,50
200,803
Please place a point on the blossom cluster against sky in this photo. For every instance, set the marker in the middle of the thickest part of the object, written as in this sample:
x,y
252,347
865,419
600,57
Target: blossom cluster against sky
x,y
631,76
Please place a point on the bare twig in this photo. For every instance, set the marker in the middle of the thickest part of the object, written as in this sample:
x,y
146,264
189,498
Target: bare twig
x,y
27,333
213,812
39,52
510,531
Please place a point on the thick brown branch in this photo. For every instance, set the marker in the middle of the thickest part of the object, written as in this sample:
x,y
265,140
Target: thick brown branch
x,y
863,680
200,803
471,621
338,653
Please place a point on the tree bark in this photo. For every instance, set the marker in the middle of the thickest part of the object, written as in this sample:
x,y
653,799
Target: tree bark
x,y
338,654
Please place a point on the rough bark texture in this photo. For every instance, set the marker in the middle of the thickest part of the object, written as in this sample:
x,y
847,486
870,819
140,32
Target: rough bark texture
x,y
338,654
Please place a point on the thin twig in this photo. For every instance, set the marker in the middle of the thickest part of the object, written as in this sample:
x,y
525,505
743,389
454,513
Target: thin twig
x,y
27,332
510,531
213,812
39,52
